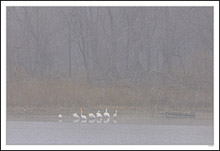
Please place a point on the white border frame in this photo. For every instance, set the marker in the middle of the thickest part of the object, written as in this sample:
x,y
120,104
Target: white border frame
x,y
4,4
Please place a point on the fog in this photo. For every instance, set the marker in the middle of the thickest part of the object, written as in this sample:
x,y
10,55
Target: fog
x,y
139,60
154,65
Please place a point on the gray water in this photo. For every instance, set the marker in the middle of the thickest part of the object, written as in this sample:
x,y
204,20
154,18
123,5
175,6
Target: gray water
x,y
120,132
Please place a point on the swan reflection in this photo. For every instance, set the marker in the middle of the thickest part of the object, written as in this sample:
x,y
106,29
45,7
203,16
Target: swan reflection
x,y
92,121
106,120
83,121
98,121
76,120
115,121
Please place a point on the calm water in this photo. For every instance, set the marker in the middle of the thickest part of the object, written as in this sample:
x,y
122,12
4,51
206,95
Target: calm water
x,y
122,131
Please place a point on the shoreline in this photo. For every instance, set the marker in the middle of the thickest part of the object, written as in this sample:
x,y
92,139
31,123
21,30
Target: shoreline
x,y
120,120
128,112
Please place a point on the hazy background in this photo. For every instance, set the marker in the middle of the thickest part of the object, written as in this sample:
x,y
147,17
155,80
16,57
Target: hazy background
x,y
141,60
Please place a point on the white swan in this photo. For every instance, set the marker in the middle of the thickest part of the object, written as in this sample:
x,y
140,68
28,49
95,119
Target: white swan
x,y
60,116
91,115
75,115
98,114
83,117
106,114
115,115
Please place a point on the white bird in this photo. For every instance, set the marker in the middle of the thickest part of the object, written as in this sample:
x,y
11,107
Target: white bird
x,y
91,115
60,116
75,115
83,117
115,115
98,114
106,114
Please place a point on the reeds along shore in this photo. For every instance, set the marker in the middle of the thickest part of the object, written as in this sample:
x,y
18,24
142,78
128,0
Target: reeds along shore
x,y
49,96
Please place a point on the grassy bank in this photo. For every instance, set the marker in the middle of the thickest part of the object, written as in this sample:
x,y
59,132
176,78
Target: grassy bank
x,y
50,97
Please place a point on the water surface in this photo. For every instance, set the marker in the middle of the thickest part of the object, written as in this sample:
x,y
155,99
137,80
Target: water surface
x,y
112,132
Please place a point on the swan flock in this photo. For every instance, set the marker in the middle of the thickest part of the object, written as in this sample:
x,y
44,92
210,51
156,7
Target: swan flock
x,y
94,117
